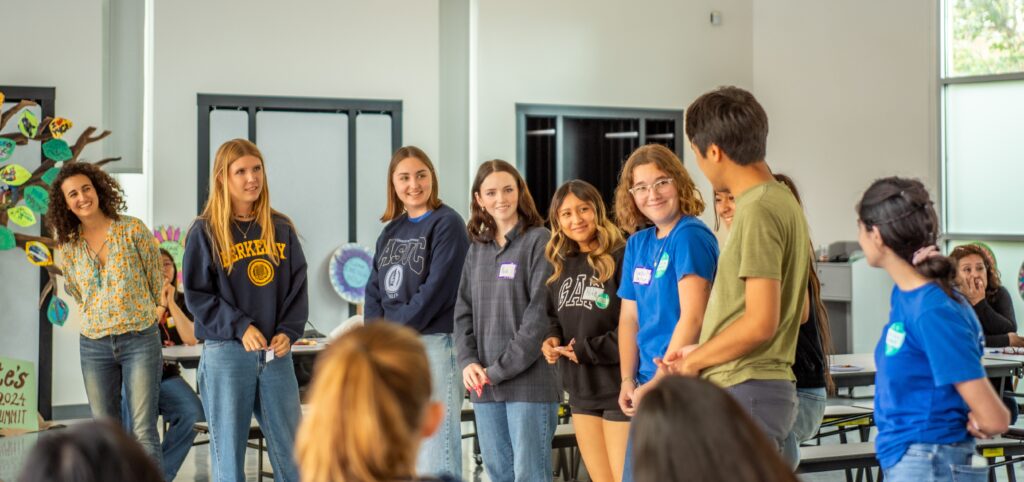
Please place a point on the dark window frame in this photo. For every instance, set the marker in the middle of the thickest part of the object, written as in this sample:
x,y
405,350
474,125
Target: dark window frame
x,y
207,103
46,98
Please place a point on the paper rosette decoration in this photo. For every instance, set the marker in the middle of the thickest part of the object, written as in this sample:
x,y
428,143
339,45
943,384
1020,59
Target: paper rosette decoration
x,y
350,270
169,238
1020,281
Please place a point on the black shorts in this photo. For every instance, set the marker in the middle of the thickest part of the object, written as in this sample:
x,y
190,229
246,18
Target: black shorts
x,y
614,415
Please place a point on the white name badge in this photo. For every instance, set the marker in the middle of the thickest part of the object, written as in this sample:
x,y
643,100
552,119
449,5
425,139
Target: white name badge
x,y
507,271
592,292
642,276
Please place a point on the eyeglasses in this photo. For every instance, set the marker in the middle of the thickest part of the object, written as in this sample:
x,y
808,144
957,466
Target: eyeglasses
x,y
645,190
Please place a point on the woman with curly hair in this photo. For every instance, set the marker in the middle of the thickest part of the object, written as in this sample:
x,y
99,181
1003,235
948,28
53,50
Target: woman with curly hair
x,y
978,280
111,267
586,252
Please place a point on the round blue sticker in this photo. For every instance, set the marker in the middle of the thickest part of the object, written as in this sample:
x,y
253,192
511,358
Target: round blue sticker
x,y
894,338
662,267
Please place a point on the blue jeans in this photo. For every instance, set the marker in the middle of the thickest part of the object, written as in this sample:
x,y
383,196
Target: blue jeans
x,y
810,409
181,409
442,453
515,439
237,384
934,463
134,360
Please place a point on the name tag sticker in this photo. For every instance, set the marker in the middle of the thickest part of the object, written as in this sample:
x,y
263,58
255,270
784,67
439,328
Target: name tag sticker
x,y
894,339
642,276
592,292
507,271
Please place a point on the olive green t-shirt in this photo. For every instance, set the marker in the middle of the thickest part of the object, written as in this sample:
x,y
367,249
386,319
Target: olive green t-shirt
x,y
768,239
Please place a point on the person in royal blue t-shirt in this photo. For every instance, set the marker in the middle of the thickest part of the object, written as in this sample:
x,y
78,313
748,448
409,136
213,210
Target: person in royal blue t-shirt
x,y
667,271
931,393
668,267
413,282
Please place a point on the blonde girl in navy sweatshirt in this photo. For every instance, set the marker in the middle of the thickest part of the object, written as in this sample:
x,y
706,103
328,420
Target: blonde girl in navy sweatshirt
x,y
245,282
413,282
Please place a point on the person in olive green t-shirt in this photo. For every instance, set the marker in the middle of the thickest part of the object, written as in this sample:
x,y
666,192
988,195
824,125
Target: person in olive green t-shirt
x,y
768,240
748,338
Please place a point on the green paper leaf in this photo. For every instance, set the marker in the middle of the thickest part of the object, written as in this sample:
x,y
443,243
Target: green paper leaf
x,y
14,174
6,148
50,175
57,311
28,124
37,199
57,149
6,239
21,215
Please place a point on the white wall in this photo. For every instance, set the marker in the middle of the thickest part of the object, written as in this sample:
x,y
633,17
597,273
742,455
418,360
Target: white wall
x,y
73,63
343,49
658,54
850,90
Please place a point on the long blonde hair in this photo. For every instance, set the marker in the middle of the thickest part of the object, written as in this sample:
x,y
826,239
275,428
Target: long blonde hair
x,y
367,405
627,215
217,212
608,236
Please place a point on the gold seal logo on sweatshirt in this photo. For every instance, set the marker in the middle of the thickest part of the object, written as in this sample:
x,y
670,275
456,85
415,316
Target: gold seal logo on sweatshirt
x,y
261,272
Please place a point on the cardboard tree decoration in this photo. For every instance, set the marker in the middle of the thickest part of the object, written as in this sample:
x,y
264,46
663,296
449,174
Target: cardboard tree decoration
x,y
24,195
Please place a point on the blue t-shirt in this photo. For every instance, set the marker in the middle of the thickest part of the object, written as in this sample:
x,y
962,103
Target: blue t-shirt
x,y
931,343
651,271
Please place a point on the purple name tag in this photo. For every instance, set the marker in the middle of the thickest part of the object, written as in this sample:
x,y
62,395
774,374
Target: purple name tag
x,y
507,271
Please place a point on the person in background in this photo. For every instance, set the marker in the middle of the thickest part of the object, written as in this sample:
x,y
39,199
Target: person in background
x,y
501,319
978,280
178,404
370,409
586,252
96,451
413,282
111,267
689,429
245,281
931,395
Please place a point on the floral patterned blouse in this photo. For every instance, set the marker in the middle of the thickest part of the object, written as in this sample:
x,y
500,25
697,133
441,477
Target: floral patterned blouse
x,y
122,295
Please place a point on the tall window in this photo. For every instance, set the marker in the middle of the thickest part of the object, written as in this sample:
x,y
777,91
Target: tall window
x,y
982,79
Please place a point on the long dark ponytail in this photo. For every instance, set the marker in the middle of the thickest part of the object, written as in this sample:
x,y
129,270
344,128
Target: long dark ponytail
x,y
905,216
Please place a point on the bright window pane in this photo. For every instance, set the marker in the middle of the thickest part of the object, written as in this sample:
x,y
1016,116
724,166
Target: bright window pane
x,y
306,158
224,126
984,129
984,37
373,156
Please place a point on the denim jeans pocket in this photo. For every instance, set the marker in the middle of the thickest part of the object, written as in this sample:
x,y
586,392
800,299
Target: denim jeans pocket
x,y
917,452
967,473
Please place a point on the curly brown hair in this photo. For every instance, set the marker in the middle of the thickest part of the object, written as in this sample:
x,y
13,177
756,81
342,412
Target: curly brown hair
x,y
63,223
994,279
627,214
